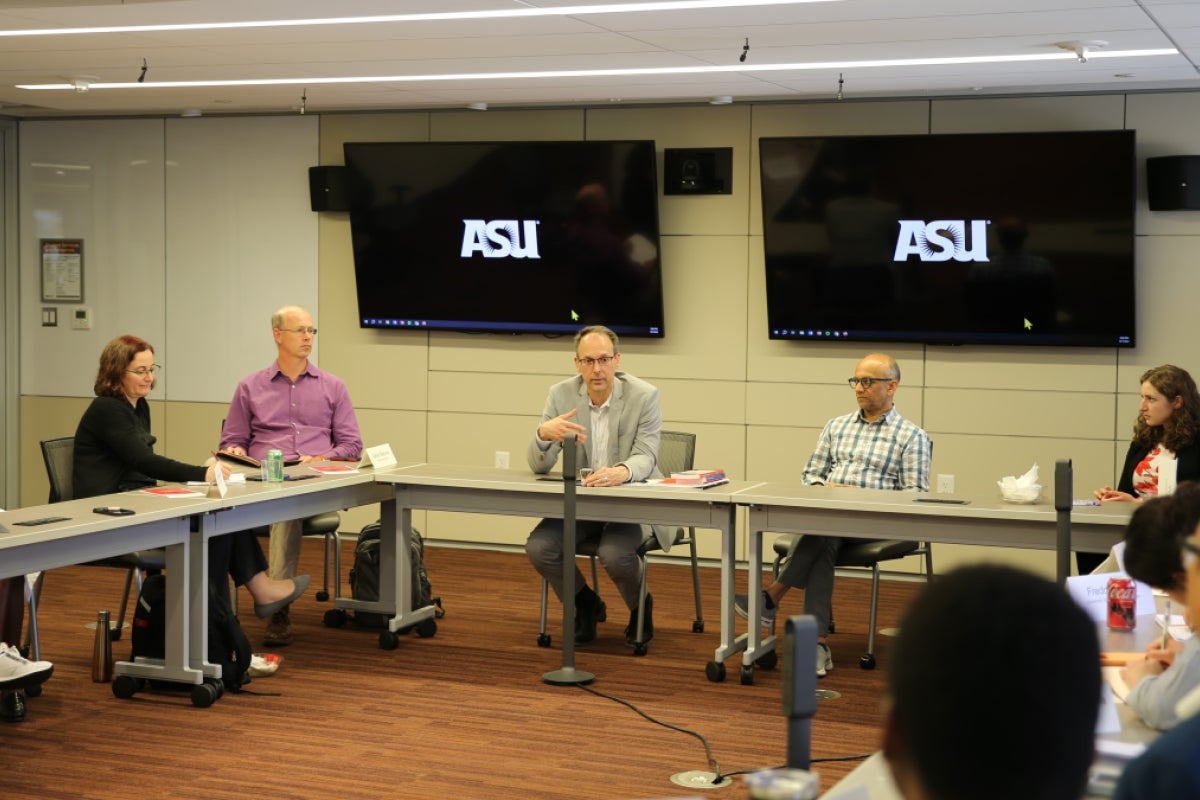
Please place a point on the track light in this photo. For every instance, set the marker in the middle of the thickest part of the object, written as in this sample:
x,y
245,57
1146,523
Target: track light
x,y
841,82
745,51
145,66
303,100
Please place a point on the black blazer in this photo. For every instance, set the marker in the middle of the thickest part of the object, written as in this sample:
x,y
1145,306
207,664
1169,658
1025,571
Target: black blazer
x,y
1187,466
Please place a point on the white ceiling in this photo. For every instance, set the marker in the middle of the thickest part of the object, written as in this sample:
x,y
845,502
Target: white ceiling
x,y
830,32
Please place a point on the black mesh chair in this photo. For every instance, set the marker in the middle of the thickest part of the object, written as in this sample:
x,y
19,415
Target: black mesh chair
x,y
676,453
864,553
59,456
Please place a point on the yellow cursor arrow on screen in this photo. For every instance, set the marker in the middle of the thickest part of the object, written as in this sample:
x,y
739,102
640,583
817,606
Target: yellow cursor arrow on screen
x,y
574,316
1028,325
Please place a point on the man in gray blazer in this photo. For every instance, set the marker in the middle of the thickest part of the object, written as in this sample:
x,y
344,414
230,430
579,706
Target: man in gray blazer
x,y
617,421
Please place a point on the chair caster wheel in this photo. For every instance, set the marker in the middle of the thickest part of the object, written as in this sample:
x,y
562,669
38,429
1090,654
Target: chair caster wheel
x,y
114,634
335,618
867,661
126,686
426,628
322,596
388,640
205,694
640,649
747,675
715,670
33,691
543,640
698,626
768,661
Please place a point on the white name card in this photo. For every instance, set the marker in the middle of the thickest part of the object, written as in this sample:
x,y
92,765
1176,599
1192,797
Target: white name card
x,y
380,456
1091,593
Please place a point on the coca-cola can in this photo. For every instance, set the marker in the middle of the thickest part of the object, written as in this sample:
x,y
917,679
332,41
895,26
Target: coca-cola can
x,y
1122,604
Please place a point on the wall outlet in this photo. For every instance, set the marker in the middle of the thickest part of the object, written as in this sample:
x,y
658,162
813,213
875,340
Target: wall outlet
x,y
945,484
501,459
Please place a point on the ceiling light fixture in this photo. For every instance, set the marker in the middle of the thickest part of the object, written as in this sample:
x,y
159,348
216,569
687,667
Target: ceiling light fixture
x,y
477,106
721,100
439,16
892,63
841,83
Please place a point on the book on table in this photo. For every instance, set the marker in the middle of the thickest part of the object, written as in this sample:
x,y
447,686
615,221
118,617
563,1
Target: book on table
x,y
696,477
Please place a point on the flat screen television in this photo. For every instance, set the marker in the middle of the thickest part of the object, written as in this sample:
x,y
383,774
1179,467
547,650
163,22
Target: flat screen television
x,y
511,237
1007,238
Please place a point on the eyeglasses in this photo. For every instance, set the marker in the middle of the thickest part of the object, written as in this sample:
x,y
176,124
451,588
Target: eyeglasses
x,y
301,331
867,383
1189,551
603,361
142,372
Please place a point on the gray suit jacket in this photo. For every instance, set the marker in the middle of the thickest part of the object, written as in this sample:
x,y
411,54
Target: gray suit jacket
x,y
635,411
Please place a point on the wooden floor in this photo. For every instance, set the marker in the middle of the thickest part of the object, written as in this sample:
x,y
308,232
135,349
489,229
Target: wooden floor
x,y
464,713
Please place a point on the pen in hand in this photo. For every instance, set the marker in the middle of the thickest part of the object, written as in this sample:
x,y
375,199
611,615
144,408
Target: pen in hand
x,y
1166,626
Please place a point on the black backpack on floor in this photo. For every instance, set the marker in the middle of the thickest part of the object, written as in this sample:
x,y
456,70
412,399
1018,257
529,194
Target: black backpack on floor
x,y
364,577
228,645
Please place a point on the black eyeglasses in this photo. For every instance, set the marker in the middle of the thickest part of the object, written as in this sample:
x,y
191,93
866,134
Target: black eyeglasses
x,y
867,383
589,362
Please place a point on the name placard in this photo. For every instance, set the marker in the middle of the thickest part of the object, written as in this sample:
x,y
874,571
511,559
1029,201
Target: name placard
x,y
380,456
1091,593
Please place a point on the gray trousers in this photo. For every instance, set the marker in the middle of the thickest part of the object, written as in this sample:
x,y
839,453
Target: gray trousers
x,y
809,566
617,551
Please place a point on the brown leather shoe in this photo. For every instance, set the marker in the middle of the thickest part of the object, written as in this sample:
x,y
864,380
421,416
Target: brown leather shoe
x,y
279,629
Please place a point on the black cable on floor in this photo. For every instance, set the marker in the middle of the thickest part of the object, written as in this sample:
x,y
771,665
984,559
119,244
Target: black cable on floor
x,y
712,762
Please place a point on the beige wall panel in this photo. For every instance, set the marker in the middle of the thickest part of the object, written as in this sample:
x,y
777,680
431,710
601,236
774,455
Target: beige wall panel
x,y
46,418
490,394
1077,369
704,297
1016,412
531,354
339,128
474,438
1168,278
977,462
503,126
1166,125
191,430
697,401
777,453
689,126
1076,112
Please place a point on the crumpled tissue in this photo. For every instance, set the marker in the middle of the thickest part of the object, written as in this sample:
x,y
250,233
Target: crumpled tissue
x,y
1021,489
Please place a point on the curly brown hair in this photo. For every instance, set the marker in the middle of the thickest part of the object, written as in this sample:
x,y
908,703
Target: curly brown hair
x,y
114,360
1179,430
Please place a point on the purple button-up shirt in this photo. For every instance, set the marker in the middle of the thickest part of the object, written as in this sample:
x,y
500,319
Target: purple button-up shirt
x,y
311,417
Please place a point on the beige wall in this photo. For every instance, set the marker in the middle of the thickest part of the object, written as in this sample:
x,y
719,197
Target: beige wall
x,y
756,405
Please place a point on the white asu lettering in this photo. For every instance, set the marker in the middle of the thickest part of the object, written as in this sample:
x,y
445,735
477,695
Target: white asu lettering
x,y
942,240
499,238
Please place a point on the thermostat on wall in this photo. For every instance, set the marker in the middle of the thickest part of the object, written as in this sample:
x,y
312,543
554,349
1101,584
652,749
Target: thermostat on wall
x,y
81,319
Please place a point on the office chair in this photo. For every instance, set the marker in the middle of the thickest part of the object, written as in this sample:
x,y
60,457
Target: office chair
x,y
864,553
59,456
676,452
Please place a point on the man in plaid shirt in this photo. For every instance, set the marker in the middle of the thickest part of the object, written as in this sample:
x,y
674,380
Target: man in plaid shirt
x,y
872,448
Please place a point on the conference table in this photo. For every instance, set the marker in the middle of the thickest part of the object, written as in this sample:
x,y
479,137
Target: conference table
x,y
886,514
484,490
77,535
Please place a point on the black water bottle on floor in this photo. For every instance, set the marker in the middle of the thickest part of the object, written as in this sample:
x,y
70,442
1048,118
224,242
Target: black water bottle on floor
x,y
102,657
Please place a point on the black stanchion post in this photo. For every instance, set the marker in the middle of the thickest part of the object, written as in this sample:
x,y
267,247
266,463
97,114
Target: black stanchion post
x,y
567,675
799,688
1063,500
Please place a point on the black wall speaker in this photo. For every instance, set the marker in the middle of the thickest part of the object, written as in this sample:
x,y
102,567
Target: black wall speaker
x,y
707,170
1173,183
329,188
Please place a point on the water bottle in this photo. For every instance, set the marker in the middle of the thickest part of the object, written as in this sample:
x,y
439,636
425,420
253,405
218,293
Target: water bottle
x,y
102,657
273,466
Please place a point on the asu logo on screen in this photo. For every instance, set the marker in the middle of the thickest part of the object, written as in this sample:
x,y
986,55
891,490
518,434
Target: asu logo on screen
x,y
500,238
942,240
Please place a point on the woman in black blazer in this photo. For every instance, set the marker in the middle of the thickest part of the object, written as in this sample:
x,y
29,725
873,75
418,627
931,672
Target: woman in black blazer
x,y
1167,429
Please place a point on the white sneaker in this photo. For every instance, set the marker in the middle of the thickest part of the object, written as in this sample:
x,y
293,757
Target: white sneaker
x,y
824,660
17,672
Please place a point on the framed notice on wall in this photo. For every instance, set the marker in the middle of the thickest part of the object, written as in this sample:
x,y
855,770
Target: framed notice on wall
x,y
62,270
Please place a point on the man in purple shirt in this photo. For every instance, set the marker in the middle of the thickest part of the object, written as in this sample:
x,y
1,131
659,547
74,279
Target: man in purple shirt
x,y
306,413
